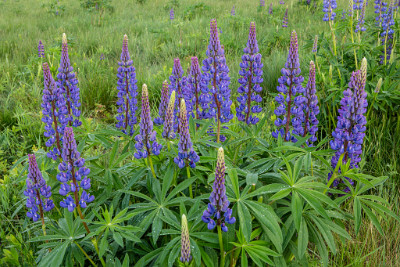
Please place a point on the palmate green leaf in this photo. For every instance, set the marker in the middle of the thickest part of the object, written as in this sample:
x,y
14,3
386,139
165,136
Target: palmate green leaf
x,y
303,238
266,189
156,227
167,181
326,233
144,260
297,209
207,259
373,218
313,201
194,247
384,211
281,194
55,257
357,214
233,178
118,239
244,220
138,194
206,236
180,187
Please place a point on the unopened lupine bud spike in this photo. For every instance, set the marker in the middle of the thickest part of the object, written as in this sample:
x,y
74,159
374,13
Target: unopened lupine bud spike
x,y
168,130
315,45
163,104
186,256
378,86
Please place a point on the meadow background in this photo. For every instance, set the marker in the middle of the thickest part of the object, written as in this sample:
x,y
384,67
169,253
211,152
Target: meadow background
x,y
154,41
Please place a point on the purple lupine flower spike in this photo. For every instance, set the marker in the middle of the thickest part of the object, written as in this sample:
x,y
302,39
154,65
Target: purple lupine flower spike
x,y
262,3
250,80
186,256
290,90
68,83
350,10
285,19
233,12
380,9
305,121
146,141
315,45
54,112
387,33
178,83
215,82
270,11
281,2
38,193
329,7
171,14
186,154
218,209
163,104
194,83
73,175
127,91
40,49
350,131
358,4
360,24
168,131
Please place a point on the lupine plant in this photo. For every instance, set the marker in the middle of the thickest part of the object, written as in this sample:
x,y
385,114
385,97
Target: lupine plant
x,y
270,11
171,14
127,91
178,83
163,104
360,25
68,84
285,19
233,12
54,112
194,90
250,80
387,34
168,130
215,82
40,49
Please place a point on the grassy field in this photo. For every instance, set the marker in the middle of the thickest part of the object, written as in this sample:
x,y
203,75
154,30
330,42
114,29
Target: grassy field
x,y
154,41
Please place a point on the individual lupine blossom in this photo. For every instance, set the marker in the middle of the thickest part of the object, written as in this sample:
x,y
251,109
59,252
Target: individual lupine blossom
x,y
315,45
282,2
186,154
218,209
262,3
168,130
194,85
68,84
163,104
329,7
186,256
270,9
387,34
350,130
305,121
215,81
127,91
360,24
40,49
178,83
290,90
233,12
171,14
73,175
146,141
250,80
54,112
358,4
38,193
285,19
380,9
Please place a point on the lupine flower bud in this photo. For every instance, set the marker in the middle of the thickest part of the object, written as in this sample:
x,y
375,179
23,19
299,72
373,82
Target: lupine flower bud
x,y
171,14
315,45
163,104
38,193
186,154
68,84
127,91
285,19
329,7
54,112
73,175
360,24
250,80
305,121
350,130
185,242
146,140
218,207
40,49
168,131
290,89
378,86
194,90
233,13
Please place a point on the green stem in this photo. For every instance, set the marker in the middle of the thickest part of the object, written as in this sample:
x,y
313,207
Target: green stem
x,y
84,252
221,246
352,41
152,168
96,247
190,186
168,145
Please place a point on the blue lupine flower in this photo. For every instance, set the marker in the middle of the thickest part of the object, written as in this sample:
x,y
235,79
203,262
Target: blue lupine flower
x,y
178,83
186,154
73,175
285,19
40,49
186,256
350,130
380,9
387,34
290,90
38,193
250,80
127,91
329,7
146,141
217,212
315,45
233,13
168,130
215,81
54,112
194,90
270,11
163,104
305,121
360,24
171,14
262,3
68,83
358,4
